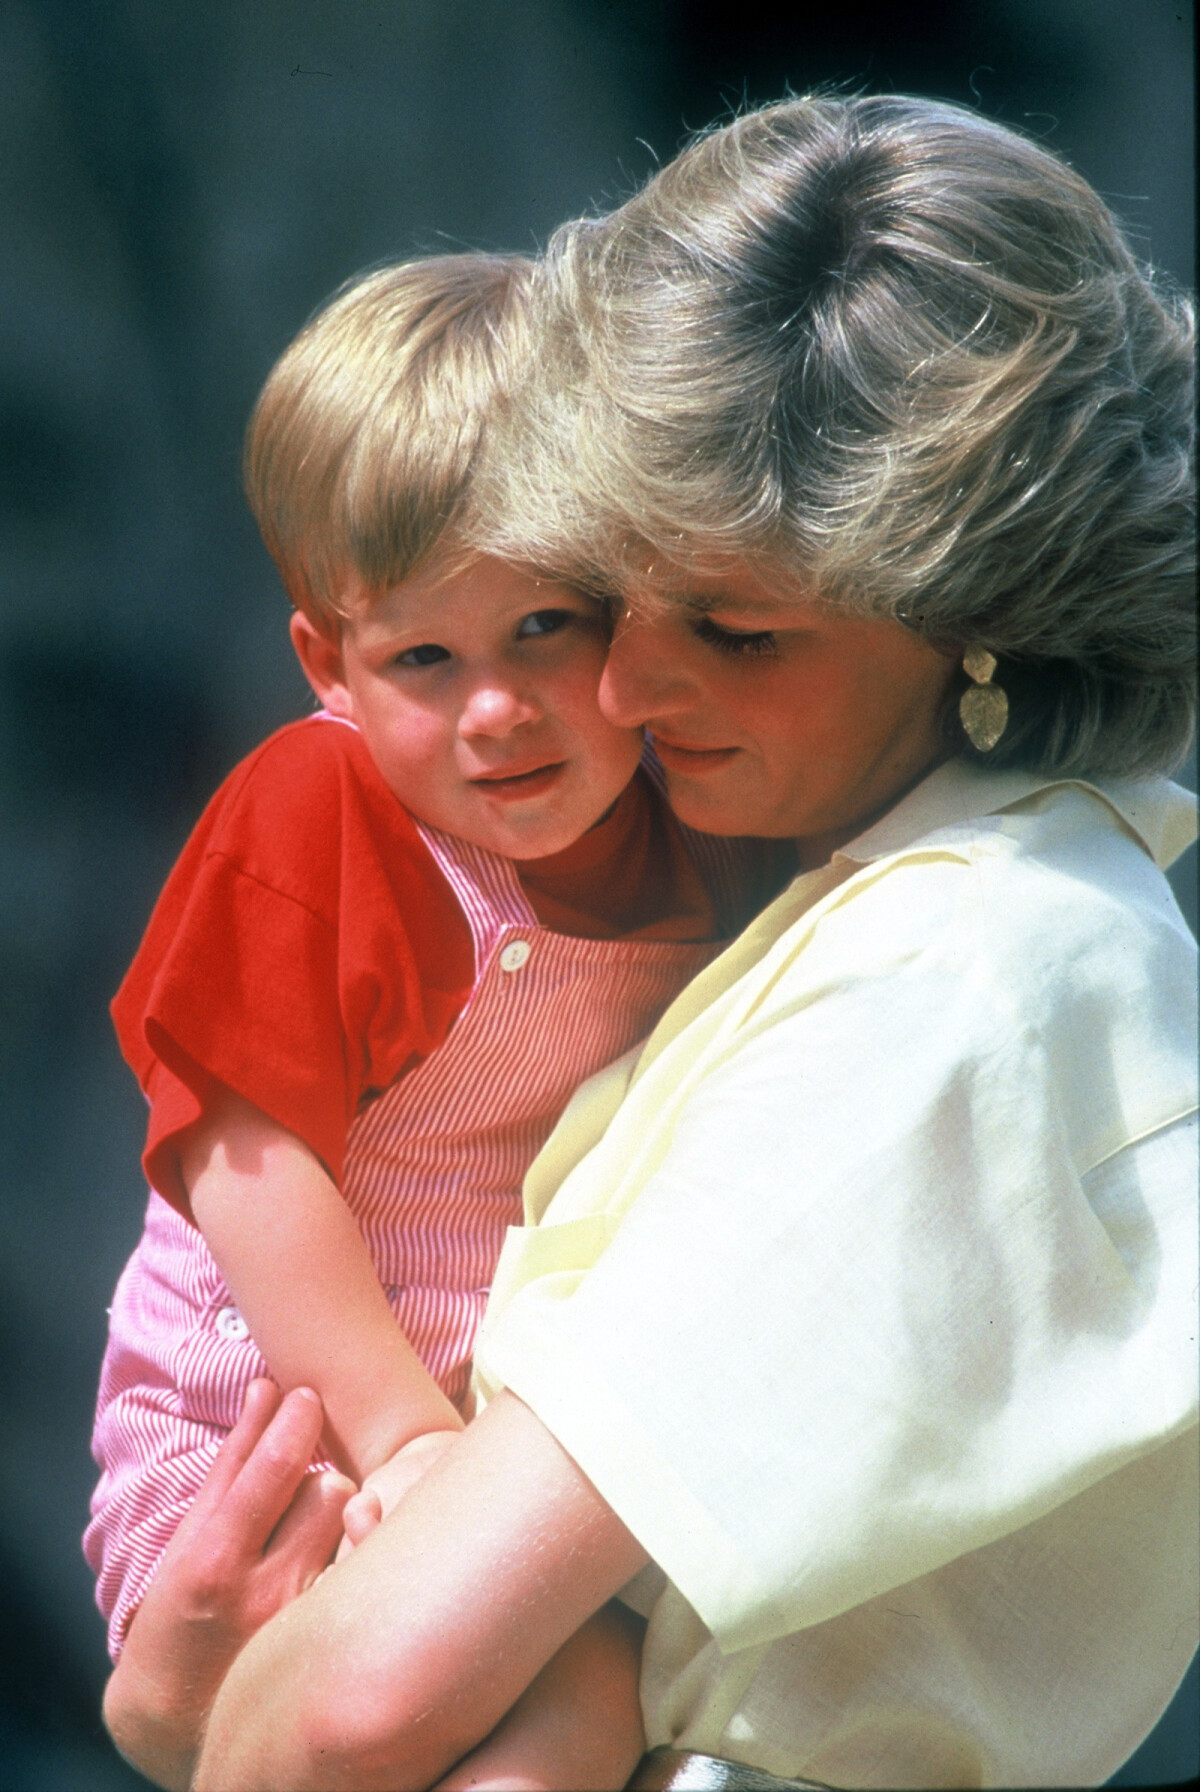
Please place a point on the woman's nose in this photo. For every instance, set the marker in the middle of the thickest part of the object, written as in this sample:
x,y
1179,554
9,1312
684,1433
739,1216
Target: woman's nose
x,y
494,708
642,678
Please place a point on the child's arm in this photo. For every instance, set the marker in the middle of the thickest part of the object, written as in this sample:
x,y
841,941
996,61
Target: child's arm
x,y
578,1725
296,1264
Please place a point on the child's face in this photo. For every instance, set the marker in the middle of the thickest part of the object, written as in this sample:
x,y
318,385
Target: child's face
x,y
475,693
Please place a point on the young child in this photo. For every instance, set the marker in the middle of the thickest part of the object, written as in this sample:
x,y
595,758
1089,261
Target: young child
x,y
401,935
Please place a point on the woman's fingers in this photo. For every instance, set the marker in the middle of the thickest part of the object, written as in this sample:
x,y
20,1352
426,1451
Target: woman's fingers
x,y
259,1532
308,1534
250,1486
261,1404
269,1471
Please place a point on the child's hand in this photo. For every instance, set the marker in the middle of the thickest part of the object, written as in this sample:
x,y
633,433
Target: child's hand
x,y
386,1486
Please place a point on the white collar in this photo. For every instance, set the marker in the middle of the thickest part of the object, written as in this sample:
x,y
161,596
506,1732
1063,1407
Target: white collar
x,y
1160,815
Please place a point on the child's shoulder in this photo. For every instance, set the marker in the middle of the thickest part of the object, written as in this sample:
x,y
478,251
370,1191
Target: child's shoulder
x,y
303,793
310,764
319,746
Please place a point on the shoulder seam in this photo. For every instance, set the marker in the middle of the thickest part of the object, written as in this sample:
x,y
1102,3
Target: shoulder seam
x,y
284,895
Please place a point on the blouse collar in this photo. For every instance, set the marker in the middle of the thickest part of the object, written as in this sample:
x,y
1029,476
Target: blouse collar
x,y
1160,815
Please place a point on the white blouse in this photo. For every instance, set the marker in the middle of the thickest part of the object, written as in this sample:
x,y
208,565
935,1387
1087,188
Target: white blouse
x,y
866,1296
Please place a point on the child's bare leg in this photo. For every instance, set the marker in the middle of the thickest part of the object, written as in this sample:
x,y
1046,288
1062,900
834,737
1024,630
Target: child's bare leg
x,y
578,1725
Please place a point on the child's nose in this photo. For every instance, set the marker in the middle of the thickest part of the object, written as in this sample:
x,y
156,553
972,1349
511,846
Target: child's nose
x,y
495,708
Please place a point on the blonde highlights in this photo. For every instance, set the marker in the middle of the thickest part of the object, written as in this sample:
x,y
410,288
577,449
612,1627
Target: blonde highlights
x,y
360,450
896,353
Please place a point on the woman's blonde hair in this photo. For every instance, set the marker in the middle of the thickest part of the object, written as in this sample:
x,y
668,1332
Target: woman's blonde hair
x,y
360,449
899,354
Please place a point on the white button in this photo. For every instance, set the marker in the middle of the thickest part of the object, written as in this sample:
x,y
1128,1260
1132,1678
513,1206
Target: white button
x,y
514,955
231,1325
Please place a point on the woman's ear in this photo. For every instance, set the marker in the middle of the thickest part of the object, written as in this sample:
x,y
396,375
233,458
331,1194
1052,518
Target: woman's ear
x,y
321,661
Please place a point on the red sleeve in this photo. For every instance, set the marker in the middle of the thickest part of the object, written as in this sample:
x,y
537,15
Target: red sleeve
x,y
305,950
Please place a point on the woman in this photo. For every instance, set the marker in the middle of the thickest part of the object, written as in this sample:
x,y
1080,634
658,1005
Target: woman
x,y
856,1312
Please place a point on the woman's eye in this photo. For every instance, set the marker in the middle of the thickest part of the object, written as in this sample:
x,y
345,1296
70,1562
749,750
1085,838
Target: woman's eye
x,y
426,655
544,622
731,640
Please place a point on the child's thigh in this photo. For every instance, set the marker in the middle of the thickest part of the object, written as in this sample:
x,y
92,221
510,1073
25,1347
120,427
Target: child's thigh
x,y
155,1463
177,1345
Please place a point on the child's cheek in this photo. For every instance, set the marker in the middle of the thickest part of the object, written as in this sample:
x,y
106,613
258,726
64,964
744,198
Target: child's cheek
x,y
415,751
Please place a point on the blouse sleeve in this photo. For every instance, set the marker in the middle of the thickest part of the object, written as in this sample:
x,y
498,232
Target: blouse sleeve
x,y
304,952
828,1304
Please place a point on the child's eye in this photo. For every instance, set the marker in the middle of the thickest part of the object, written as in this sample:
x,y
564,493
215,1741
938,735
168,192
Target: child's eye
x,y
731,640
544,622
426,655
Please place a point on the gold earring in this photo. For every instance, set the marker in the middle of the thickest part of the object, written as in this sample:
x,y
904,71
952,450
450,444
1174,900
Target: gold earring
x,y
983,706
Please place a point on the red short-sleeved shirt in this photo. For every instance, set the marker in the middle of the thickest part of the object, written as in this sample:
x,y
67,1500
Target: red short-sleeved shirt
x,y
305,898
307,950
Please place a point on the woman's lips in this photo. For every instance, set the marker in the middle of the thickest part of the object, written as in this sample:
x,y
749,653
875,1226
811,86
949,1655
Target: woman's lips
x,y
515,785
677,757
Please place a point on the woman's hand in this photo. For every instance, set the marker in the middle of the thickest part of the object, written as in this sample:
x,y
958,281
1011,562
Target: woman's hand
x,y
401,1662
260,1531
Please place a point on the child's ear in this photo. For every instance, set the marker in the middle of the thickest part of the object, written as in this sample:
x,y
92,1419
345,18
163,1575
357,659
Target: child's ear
x,y
320,657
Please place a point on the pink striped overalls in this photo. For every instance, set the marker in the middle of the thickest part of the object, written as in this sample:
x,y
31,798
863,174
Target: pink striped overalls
x,y
433,1174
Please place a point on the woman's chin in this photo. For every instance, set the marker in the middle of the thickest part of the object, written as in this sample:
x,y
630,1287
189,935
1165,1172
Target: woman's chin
x,y
712,811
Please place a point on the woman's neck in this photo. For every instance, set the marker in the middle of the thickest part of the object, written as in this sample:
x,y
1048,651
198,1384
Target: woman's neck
x,y
815,850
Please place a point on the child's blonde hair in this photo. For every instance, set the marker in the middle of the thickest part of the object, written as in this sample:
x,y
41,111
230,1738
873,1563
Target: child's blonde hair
x,y
360,449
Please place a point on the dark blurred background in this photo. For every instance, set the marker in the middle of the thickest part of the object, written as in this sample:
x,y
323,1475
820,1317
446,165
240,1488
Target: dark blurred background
x,y
181,182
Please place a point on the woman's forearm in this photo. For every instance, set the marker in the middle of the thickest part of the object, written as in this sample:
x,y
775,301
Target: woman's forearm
x,y
578,1725
410,1653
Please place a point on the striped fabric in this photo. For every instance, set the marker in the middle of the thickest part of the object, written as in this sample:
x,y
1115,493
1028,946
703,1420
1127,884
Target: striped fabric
x,y
434,1168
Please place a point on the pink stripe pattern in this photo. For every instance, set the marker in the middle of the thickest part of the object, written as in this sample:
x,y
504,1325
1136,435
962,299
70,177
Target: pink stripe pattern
x,y
434,1168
